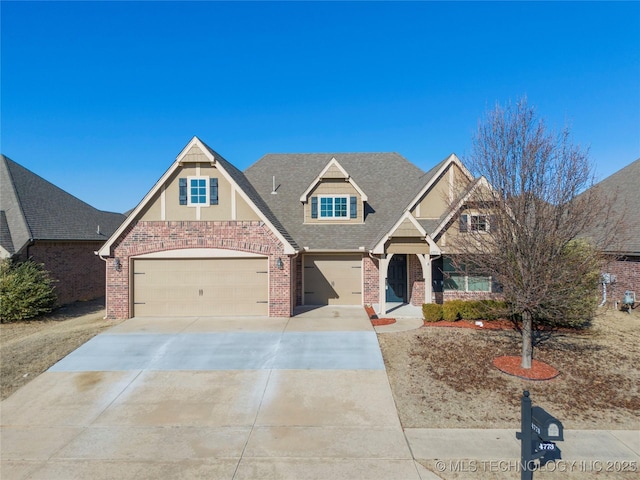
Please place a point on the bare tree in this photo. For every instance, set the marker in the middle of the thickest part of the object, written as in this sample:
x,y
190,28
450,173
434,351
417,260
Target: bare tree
x,y
532,219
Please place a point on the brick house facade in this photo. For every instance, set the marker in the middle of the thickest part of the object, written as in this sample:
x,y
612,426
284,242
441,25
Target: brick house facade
x,y
326,227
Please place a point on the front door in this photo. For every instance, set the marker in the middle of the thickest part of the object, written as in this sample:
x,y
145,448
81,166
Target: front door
x,y
397,279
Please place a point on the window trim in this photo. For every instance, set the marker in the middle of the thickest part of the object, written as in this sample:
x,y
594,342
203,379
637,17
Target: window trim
x,y
206,191
481,220
467,223
333,208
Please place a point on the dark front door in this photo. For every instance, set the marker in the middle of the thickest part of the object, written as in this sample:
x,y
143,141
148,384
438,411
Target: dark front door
x,y
397,279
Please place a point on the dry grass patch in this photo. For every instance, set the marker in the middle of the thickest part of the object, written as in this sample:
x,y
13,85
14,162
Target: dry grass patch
x,y
29,348
444,378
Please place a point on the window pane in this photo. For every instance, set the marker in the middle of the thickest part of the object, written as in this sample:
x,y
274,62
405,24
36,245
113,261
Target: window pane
x,y
454,282
326,207
447,266
478,223
479,284
198,191
340,207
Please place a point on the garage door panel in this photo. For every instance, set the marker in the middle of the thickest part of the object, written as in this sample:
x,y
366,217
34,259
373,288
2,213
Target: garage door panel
x,y
332,279
200,287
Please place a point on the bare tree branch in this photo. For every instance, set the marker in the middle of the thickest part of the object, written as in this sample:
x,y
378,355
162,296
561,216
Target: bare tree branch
x,y
539,243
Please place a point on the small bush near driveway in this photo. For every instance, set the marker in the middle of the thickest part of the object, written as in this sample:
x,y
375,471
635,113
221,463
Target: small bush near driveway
x,y
26,290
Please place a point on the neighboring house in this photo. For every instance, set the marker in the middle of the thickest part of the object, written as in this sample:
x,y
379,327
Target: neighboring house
x,y
292,230
624,252
40,221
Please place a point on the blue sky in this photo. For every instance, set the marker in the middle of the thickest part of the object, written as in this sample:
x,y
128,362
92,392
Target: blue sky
x,y
100,97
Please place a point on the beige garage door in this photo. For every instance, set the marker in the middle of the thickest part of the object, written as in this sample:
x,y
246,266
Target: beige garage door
x,y
332,280
200,287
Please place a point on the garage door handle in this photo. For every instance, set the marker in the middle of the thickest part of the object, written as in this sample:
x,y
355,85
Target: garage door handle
x,y
262,301
200,292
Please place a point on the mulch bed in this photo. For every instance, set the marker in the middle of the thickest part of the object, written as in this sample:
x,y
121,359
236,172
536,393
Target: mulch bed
x,y
375,321
538,371
486,325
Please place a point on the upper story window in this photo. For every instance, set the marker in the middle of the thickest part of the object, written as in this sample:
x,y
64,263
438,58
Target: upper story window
x,y
198,191
333,207
474,223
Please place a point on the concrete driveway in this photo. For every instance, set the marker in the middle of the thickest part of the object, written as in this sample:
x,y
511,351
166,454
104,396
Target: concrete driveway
x,y
243,398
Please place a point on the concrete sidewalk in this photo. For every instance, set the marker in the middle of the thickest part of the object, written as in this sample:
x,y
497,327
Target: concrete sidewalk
x,y
478,453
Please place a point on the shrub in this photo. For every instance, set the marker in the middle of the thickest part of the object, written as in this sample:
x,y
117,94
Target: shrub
x,y
26,291
492,309
452,310
470,310
432,312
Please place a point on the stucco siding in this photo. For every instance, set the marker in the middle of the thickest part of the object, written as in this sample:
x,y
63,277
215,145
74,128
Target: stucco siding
x,y
165,205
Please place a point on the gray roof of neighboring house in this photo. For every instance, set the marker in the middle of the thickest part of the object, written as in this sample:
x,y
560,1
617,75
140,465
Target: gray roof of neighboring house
x,y
624,186
388,179
35,209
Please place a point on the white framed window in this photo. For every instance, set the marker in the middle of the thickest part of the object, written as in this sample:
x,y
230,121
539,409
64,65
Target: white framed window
x,y
475,223
197,191
479,223
333,207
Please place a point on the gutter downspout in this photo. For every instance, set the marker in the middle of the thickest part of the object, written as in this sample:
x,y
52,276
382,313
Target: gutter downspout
x,y
105,283
604,293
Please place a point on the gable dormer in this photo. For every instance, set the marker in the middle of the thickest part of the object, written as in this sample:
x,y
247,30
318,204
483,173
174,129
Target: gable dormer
x,y
333,197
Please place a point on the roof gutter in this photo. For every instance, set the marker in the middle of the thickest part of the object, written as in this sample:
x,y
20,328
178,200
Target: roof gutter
x,y
333,250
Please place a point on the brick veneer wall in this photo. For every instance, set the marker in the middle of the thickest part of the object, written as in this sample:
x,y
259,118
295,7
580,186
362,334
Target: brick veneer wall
x,y
244,236
371,280
416,281
298,272
78,272
453,295
627,272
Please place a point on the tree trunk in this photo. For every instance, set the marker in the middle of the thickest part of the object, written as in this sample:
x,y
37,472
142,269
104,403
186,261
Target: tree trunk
x,y
527,339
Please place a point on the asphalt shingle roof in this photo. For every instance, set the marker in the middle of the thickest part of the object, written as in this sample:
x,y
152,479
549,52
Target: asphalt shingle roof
x,y
624,186
35,209
242,181
388,179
